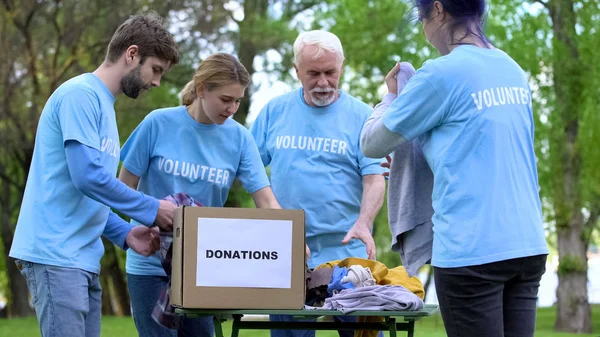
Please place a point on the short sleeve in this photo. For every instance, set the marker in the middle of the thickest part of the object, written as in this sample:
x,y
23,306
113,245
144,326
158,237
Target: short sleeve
x,y
137,150
251,171
369,165
259,132
78,113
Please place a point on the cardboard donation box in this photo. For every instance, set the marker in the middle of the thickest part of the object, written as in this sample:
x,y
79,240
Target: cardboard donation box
x,y
238,258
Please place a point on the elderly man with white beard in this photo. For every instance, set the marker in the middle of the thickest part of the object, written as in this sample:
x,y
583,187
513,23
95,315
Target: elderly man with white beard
x,y
310,139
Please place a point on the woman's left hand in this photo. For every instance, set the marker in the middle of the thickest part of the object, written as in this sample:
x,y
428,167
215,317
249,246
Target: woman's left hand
x,y
390,79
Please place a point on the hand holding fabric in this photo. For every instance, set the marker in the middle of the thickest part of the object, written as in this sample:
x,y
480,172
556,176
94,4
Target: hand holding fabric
x,y
387,165
143,240
398,77
164,216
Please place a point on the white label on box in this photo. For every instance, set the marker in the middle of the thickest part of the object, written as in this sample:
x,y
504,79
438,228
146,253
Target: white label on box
x,y
246,253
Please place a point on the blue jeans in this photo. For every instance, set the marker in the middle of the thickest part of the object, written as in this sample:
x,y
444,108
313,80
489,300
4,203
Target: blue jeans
x,y
144,291
310,333
67,301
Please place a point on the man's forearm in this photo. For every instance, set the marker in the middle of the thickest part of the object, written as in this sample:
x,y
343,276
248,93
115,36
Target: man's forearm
x,y
372,199
116,230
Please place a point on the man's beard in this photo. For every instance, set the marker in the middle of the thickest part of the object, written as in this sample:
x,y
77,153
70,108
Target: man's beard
x,y
132,84
322,101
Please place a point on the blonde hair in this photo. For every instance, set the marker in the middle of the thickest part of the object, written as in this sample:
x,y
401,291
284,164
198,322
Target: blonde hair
x,y
215,71
323,40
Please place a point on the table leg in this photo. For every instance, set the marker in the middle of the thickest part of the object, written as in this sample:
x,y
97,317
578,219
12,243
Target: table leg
x,y
392,322
235,328
218,327
411,328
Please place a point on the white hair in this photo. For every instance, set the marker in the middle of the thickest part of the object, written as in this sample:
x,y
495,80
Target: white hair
x,y
323,40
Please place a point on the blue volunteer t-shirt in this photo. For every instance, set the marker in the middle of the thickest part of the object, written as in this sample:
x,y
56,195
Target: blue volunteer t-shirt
x,y
58,225
173,153
316,165
471,111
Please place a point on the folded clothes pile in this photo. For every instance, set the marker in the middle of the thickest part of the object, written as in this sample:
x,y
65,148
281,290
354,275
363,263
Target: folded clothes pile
x,y
359,284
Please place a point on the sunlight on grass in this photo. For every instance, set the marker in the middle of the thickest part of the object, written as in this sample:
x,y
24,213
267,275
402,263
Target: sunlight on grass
x,y
430,327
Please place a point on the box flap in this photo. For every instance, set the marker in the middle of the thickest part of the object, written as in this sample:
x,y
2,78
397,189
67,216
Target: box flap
x,y
178,255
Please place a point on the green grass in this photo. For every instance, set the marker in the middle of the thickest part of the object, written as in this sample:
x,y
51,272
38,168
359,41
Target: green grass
x,y
429,327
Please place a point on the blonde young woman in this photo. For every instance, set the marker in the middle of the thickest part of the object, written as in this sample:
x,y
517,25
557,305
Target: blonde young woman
x,y
198,149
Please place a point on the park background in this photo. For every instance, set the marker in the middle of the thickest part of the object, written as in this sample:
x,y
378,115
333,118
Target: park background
x,y
45,42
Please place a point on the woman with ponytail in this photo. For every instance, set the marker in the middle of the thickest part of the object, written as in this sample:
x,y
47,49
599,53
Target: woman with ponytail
x,y
197,149
470,112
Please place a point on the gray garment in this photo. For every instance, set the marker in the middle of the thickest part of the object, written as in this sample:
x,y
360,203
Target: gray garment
x,y
409,206
375,298
409,188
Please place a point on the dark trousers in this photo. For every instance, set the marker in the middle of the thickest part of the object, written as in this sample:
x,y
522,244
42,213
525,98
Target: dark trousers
x,y
492,300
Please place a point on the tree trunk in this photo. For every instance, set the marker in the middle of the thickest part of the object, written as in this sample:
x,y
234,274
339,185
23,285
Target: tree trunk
x,y
19,293
107,308
18,304
254,10
18,301
116,278
121,292
573,309
428,282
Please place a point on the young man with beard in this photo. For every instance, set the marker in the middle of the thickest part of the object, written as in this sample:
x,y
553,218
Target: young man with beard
x,y
72,183
310,138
